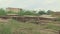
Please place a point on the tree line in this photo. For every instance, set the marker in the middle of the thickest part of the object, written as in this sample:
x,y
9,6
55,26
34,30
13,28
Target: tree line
x,y
26,12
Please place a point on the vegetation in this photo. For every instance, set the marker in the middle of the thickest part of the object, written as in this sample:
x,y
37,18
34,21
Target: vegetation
x,y
21,12
49,12
34,13
26,12
2,12
15,27
41,12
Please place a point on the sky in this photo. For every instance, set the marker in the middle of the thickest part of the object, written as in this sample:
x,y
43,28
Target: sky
x,y
32,4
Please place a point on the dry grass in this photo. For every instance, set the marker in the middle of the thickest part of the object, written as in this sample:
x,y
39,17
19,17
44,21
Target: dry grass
x,y
15,27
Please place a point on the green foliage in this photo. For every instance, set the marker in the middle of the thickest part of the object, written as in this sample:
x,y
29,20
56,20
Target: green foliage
x,y
2,12
26,12
21,13
30,13
49,12
41,12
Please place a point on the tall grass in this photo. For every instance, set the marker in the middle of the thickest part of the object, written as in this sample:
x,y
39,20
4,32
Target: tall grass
x,y
5,29
15,27
49,26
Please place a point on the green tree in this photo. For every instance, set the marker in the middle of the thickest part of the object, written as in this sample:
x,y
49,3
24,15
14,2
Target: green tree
x,y
49,12
21,13
33,13
2,12
28,13
41,12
